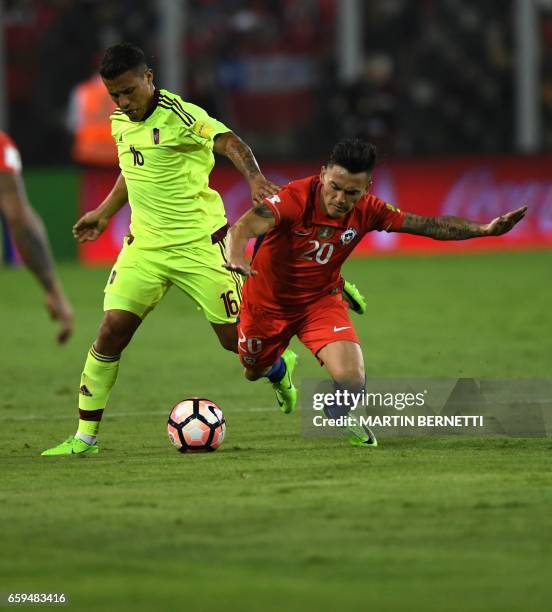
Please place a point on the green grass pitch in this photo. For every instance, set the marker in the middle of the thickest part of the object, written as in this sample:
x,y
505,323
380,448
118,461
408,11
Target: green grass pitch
x,y
273,521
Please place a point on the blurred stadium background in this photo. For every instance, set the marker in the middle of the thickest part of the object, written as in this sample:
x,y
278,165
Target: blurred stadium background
x,y
457,95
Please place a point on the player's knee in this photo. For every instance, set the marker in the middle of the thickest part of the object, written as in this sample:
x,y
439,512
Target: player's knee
x,y
115,333
253,374
351,378
227,335
229,343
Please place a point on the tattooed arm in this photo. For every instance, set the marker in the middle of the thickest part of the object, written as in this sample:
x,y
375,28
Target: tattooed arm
x,y
456,228
254,222
239,153
31,240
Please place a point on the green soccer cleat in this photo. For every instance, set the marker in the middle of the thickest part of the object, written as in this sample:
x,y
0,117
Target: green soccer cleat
x,y
360,435
286,393
72,446
354,298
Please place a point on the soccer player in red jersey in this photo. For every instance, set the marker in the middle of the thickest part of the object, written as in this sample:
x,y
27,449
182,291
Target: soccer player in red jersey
x,y
29,235
295,288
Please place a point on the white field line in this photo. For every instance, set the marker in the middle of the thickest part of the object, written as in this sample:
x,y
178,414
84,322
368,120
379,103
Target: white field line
x,y
123,415
119,415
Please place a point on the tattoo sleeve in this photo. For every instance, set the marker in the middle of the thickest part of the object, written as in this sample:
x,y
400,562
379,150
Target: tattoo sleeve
x,y
27,229
441,228
32,244
263,211
242,157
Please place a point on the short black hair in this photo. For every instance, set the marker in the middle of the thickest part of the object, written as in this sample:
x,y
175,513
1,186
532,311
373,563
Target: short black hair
x,y
121,58
355,155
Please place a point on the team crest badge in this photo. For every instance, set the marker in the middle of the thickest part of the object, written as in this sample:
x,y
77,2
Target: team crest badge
x,y
325,232
348,235
155,135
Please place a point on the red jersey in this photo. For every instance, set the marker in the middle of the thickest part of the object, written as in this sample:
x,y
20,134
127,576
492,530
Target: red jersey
x,y
10,160
300,259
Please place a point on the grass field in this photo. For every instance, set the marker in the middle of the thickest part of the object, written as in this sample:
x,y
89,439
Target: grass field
x,y
273,521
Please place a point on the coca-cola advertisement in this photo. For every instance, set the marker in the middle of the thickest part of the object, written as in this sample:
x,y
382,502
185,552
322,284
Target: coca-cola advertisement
x,y
477,188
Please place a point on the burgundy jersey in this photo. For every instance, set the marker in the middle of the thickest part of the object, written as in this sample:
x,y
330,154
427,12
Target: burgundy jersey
x,y
10,161
300,259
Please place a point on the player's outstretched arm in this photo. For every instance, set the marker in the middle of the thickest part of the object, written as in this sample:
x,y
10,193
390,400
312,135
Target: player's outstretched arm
x,y
253,223
31,240
456,228
241,155
91,225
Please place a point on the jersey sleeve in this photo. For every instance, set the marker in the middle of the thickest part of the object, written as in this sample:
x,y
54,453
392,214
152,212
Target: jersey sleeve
x,y
384,217
284,206
203,128
10,160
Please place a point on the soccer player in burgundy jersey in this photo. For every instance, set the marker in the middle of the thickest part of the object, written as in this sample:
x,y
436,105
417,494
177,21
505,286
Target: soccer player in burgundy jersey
x,y
29,235
294,283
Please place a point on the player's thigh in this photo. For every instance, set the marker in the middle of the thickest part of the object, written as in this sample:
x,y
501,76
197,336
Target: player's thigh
x,y
137,282
262,338
325,322
344,362
201,274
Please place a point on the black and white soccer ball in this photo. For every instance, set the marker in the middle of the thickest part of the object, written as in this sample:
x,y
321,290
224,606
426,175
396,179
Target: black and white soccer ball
x,y
196,425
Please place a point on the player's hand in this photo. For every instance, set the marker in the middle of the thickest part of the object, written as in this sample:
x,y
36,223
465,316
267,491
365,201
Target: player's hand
x,y
60,310
241,268
89,227
262,188
504,223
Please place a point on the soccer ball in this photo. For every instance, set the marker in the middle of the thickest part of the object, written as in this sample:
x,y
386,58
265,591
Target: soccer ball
x,y
196,425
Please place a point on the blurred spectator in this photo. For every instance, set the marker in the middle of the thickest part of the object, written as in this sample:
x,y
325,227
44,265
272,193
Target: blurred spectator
x,y
88,119
93,146
368,107
546,45
436,77
51,47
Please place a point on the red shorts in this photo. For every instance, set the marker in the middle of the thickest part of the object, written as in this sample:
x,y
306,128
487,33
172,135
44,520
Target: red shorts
x,y
263,335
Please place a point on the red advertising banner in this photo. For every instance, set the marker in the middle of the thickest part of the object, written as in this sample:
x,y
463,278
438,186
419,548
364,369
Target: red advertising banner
x,y
476,188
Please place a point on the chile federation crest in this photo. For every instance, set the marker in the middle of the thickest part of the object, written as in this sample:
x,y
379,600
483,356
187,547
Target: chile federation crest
x,y
348,236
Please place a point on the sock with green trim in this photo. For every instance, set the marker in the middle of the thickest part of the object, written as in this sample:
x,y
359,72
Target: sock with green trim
x,y
89,424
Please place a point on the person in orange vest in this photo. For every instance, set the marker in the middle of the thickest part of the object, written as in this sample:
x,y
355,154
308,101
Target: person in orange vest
x,y
94,150
89,110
